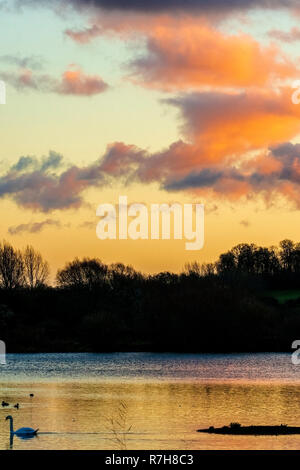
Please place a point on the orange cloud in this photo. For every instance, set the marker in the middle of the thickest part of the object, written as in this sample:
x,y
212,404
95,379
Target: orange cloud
x,y
221,129
264,163
75,82
224,126
195,55
184,53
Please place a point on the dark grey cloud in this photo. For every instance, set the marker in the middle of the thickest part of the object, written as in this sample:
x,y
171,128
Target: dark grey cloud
x,y
289,156
200,5
286,152
166,5
202,179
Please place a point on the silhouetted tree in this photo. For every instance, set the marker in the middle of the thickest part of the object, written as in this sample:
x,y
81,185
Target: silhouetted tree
x,y
36,270
226,263
87,273
244,255
11,266
200,270
266,261
286,254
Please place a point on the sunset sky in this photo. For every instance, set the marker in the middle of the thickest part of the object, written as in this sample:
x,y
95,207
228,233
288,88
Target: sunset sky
x,y
155,101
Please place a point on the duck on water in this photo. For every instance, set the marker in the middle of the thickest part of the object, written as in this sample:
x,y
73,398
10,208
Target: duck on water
x,y
238,429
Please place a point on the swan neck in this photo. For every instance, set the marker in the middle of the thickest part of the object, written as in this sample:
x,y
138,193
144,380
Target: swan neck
x,y
11,425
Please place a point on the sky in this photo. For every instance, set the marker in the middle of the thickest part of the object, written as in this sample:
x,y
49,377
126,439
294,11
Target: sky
x,y
163,102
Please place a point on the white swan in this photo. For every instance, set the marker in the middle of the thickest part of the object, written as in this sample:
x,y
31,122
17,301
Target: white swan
x,y
22,432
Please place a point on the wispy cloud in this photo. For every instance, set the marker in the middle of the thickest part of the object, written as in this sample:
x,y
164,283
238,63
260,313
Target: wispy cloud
x,y
245,223
286,36
88,225
27,62
51,161
33,227
73,82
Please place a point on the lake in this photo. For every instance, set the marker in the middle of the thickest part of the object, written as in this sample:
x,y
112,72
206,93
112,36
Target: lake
x,y
147,400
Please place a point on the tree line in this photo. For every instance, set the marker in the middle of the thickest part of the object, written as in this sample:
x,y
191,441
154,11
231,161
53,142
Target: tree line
x,y
93,306
28,268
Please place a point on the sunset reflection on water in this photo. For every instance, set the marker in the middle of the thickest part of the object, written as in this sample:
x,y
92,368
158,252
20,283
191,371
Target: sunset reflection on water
x,y
161,414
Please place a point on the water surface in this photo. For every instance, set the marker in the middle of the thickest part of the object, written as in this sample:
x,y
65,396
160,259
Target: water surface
x,y
148,401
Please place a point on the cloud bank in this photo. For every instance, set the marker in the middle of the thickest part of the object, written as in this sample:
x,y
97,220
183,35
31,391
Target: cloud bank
x,y
236,114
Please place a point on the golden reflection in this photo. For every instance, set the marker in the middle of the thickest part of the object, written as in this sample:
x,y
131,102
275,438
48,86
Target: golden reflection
x,y
75,415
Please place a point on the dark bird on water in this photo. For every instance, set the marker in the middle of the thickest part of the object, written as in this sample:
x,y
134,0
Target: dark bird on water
x,y
16,406
31,395
4,403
